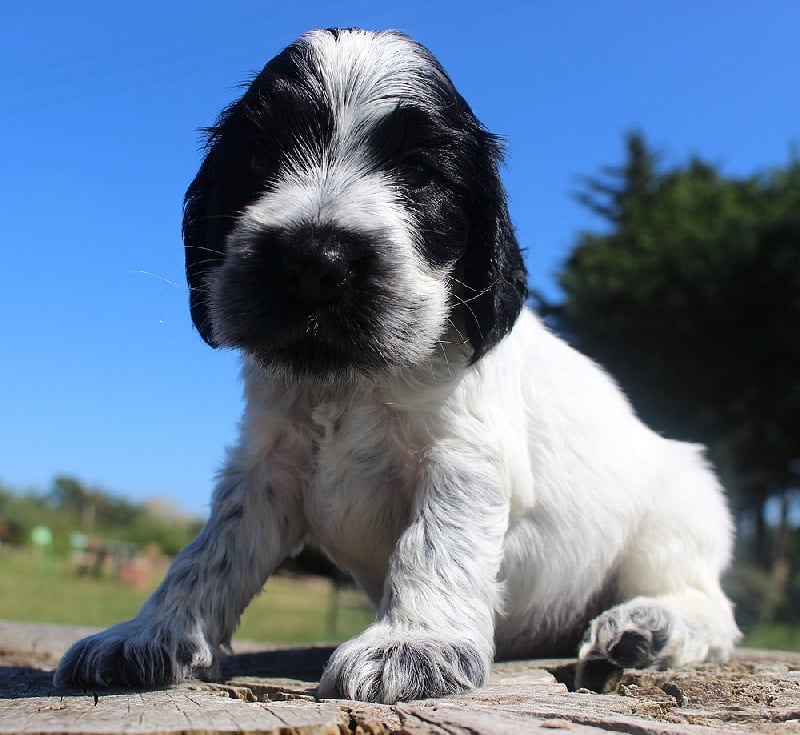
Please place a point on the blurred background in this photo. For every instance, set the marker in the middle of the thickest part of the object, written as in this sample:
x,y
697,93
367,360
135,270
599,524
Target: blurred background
x,y
654,181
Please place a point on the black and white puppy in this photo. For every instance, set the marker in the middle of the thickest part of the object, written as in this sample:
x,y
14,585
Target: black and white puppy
x,y
488,487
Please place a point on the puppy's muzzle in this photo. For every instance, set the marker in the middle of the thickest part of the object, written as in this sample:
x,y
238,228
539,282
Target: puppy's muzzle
x,y
311,299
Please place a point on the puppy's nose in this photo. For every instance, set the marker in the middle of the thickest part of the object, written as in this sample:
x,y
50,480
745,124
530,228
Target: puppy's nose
x,y
315,277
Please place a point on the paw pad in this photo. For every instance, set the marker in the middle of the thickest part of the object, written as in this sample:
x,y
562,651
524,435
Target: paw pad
x,y
632,650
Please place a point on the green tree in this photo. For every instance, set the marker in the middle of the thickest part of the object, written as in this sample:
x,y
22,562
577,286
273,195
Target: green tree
x,y
70,496
691,298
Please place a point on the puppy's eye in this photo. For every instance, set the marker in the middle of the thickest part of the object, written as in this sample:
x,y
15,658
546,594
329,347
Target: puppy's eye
x,y
257,163
416,174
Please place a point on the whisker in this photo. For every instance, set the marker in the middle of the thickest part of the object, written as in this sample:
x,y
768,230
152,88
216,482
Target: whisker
x,y
464,340
446,359
215,251
460,283
465,303
477,294
155,275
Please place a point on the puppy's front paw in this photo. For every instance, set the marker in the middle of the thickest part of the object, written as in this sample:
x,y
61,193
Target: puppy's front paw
x,y
632,635
386,664
134,655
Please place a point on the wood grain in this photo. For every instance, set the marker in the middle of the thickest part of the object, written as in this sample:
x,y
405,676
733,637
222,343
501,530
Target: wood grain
x,y
272,691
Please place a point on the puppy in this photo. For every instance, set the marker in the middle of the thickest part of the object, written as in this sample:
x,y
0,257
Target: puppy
x,y
489,488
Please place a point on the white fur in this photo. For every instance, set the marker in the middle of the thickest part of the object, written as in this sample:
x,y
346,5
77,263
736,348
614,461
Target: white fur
x,y
531,469
495,508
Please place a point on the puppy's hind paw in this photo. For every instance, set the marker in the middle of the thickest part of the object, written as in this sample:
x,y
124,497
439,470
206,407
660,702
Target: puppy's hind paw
x,y
132,656
628,636
384,665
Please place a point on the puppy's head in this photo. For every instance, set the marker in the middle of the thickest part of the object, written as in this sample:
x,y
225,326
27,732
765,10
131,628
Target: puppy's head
x,y
348,216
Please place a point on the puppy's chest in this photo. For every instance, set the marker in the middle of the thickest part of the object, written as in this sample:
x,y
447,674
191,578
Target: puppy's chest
x,y
364,470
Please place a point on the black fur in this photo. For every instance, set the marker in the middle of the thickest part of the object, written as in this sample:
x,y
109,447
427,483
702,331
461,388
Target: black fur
x,y
127,666
493,268
446,167
245,149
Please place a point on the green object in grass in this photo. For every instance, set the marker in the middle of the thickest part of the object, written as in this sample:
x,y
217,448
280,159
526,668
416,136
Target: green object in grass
x,y
41,537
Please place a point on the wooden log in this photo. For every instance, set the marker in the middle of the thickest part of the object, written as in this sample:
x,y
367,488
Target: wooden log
x,y
272,691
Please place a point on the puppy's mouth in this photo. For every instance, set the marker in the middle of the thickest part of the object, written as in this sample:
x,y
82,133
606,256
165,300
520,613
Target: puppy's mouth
x,y
331,339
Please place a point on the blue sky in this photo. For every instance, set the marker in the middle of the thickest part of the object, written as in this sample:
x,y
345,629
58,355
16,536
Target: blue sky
x,y
102,375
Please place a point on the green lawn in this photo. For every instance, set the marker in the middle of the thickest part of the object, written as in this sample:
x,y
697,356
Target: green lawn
x,y
779,636
288,611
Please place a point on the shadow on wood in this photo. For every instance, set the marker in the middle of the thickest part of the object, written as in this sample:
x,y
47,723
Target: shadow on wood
x,y
292,663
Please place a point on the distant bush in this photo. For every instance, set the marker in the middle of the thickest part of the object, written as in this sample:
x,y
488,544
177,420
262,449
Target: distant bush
x,y
71,506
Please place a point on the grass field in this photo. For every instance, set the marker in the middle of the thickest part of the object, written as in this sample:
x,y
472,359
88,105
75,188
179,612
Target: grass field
x,y
780,637
288,611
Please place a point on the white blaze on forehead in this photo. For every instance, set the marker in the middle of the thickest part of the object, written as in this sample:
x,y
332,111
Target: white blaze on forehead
x,y
365,75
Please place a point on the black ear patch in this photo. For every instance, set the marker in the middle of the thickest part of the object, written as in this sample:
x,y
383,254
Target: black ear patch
x,y
492,268
243,150
230,177
204,247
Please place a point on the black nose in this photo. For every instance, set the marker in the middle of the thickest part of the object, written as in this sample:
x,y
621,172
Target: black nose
x,y
315,277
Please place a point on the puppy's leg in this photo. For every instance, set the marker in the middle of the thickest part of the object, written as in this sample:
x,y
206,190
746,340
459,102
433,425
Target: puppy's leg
x,y
193,613
435,628
675,611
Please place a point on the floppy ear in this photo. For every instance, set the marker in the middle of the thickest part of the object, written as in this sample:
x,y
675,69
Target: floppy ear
x,y
204,230
493,270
